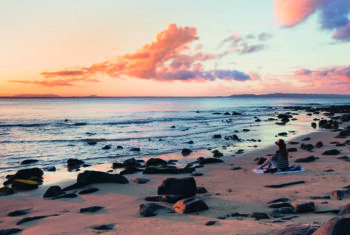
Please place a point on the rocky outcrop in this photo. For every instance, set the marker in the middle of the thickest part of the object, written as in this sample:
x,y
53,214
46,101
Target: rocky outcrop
x,y
185,187
339,225
190,205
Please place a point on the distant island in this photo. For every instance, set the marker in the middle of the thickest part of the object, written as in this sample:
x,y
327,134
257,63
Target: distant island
x,y
292,95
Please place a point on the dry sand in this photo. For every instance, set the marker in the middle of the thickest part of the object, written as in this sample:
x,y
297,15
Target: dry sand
x,y
229,191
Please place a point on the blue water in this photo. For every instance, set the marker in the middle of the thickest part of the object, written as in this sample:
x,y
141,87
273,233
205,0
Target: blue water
x,y
55,129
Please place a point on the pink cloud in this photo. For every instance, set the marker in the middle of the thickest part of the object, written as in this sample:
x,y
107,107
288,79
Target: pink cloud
x,y
333,14
326,74
167,58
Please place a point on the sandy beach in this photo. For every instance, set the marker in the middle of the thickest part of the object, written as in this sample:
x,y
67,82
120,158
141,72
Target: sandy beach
x,y
229,191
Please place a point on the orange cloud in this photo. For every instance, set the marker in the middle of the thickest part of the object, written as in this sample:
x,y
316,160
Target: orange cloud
x,y
169,57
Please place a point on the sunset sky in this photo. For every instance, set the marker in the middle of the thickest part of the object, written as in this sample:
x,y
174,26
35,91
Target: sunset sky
x,y
174,48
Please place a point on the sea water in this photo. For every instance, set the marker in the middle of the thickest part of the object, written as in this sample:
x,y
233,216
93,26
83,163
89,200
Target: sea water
x,y
53,130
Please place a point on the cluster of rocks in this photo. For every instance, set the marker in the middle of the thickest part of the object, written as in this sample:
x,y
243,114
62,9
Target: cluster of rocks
x,y
179,191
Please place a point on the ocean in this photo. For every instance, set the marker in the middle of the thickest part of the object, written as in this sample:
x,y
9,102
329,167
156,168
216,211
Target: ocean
x,y
53,130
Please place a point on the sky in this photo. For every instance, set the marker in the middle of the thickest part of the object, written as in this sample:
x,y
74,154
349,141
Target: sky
x,y
174,48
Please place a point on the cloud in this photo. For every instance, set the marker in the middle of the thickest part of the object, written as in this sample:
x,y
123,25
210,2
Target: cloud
x,y
341,73
246,44
333,14
168,58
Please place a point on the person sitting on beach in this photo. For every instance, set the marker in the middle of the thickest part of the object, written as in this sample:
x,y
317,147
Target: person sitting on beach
x,y
279,159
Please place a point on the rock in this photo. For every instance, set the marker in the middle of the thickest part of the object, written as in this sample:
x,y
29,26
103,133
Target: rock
x,y
282,199
28,161
306,159
260,160
236,168
306,139
88,190
164,198
303,207
73,186
313,125
292,149
103,227
141,180
68,195
116,165
119,147
282,134
307,147
50,168
91,209
322,123
320,197
167,170
53,191
339,225
10,231
73,163
246,130
19,212
293,142
149,209
28,219
209,160
217,136
284,185
331,152
19,184
186,152
343,133
135,149
106,147
185,187
156,162
319,144
25,174
190,205
4,191
297,229
239,215
91,177
210,222
279,204
345,210
334,211
340,194
259,215
131,162
283,211
201,190
217,154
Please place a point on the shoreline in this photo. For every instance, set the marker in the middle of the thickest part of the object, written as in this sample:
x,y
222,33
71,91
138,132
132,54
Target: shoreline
x,y
226,195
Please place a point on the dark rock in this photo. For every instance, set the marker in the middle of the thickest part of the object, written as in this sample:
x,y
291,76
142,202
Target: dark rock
x,y
88,190
313,124
197,174
91,209
284,185
149,209
217,154
167,170
217,136
103,227
91,142
201,190
209,161
319,144
221,217
68,195
339,225
141,180
28,161
279,204
116,165
131,162
28,219
119,147
156,162
292,149
74,163
283,199
345,210
259,215
19,212
53,191
25,174
260,160
19,184
341,194
4,191
178,186
186,152
10,231
306,159
293,142
190,205
344,133
282,134
322,123
156,198
210,222
239,215
282,211
73,186
236,168
257,120
246,130
331,152
135,149
327,211
329,170
106,147
50,168
307,147
320,197
297,229
303,207
306,139
91,177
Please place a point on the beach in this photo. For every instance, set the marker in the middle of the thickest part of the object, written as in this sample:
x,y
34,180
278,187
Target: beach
x,y
234,193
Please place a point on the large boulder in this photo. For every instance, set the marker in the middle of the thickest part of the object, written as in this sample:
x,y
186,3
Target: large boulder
x,y
155,162
341,194
19,184
131,162
297,229
190,205
339,225
53,191
4,191
185,187
25,174
345,210
91,177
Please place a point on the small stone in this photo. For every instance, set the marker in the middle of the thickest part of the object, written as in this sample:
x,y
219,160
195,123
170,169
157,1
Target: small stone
x,y
210,222
259,215
91,209
141,180
19,212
